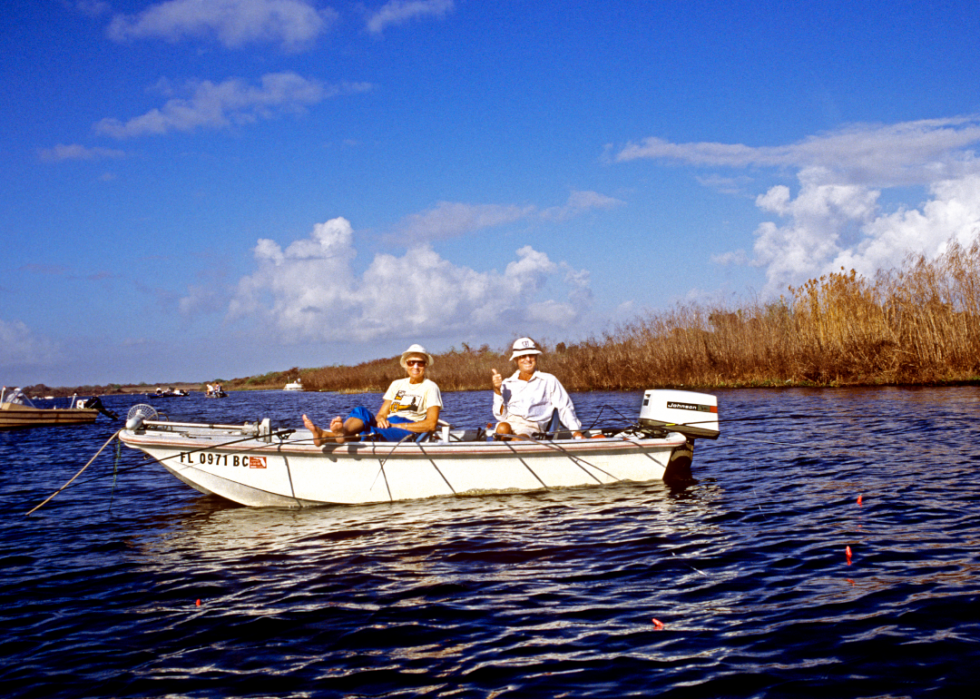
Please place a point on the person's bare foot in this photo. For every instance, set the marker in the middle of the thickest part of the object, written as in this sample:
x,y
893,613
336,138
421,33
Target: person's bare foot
x,y
318,434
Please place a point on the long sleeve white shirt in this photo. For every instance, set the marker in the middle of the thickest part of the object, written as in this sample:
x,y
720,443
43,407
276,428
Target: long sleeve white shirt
x,y
535,400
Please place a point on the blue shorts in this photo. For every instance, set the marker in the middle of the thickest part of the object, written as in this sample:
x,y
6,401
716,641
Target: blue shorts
x,y
388,434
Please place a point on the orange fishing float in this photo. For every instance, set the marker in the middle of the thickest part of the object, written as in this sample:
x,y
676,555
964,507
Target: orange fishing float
x,y
847,552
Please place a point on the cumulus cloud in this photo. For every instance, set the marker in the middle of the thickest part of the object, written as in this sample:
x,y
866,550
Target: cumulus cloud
x,y
24,348
396,12
308,291
836,218
294,24
232,102
75,151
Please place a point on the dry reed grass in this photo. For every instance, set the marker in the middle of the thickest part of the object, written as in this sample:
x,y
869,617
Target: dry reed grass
x,y
918,324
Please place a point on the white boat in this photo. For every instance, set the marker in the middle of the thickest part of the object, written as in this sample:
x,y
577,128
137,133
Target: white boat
x,y
296,385
256,465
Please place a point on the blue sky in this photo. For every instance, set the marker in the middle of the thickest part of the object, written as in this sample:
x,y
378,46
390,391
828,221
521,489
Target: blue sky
x,y
193,189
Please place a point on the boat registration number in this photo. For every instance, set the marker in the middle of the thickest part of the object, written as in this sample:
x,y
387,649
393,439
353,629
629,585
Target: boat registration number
x,y
222,459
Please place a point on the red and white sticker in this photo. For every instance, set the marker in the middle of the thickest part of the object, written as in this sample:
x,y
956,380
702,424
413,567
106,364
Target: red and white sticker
x,y
256,462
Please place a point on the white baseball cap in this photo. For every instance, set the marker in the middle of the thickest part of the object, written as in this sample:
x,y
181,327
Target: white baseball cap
x,y
524,346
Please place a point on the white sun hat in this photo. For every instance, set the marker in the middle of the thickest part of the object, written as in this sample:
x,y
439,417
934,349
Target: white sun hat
x,y
415,350
523,346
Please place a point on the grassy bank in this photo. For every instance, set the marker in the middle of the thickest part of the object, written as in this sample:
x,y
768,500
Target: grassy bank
x,y
919,324
916,325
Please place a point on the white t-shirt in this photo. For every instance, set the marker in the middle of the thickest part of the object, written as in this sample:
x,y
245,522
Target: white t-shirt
x,y
412,400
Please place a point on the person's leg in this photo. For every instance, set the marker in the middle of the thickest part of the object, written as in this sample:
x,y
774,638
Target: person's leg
x,y
359,420
516,428
394,434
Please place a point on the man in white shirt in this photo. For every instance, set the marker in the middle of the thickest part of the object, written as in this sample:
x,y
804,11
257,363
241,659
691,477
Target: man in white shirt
x,y
524,402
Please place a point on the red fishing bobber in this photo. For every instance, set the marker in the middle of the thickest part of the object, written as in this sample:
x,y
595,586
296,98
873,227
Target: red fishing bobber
x,y
658,625
199,603
847,552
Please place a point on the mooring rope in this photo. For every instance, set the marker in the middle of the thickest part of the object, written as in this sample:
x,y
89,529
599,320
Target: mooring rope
x,y
51,497
116,471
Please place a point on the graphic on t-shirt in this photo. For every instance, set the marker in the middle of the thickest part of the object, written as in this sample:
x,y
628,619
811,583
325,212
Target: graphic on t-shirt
x,y
398,406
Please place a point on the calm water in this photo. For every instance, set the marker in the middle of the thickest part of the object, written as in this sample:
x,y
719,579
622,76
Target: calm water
x,y
539,595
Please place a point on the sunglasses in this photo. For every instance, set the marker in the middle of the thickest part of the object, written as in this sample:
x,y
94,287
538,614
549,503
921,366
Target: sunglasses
x,y
415,362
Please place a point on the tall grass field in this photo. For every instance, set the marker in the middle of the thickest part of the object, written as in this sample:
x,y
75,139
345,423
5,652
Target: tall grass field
x,y
919,324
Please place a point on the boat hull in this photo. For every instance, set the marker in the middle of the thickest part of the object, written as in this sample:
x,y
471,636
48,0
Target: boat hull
x,y
269,472
16,416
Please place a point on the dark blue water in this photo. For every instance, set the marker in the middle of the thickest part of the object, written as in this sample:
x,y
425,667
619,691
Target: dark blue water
x,y
549,594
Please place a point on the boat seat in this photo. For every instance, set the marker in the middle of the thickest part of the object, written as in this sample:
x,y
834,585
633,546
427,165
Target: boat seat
x,y
555,428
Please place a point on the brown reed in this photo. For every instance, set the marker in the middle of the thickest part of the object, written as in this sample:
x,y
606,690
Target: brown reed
x,y
914,325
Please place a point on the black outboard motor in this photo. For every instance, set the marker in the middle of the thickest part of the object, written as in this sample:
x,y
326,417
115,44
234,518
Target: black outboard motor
x,y
96,402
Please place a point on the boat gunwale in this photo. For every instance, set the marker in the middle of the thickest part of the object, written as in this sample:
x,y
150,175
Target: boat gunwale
x,y
249,442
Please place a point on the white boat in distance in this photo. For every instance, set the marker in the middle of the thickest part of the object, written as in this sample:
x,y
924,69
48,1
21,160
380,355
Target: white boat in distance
x,y
296,385
256,465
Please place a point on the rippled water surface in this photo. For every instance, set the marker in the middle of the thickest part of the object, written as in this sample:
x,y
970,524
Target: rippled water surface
x,y
739,585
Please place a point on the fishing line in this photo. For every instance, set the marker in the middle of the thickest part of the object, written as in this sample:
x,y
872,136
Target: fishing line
x,y
432,461
519,458
575,460
776,444
381,464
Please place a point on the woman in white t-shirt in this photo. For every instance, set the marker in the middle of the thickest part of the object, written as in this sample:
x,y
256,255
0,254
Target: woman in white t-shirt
x,y
412,403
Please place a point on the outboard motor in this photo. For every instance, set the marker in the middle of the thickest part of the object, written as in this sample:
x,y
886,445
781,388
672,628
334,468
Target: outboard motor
x,y
96,402
691,414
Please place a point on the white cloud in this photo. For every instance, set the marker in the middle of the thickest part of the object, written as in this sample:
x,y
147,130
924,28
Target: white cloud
x,y
822,218
952,212
578,203
78,152
400,11
232,102
23,348
93,8
835,218
915,152
295,24
453,219
309,292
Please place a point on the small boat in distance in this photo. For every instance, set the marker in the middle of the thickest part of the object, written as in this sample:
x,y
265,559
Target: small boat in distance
x,y
170,392
258,465
17,411
296,385
214,390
